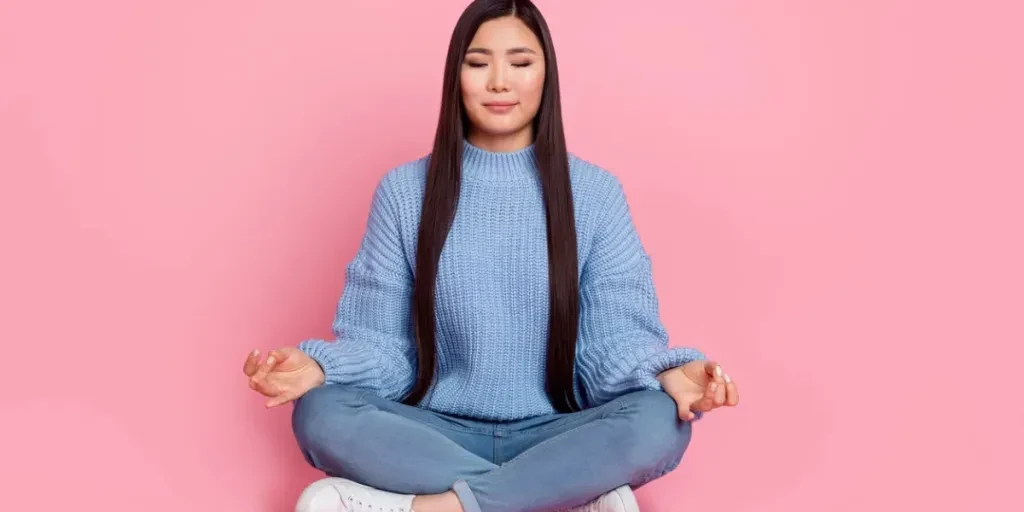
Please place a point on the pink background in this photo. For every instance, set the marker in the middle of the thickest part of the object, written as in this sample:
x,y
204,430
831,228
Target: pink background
x,y
830,191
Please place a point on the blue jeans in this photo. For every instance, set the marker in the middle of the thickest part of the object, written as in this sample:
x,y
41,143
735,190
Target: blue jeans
x,y
543,463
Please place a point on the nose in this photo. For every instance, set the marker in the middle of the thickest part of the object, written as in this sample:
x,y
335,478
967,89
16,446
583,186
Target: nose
x,y
497,81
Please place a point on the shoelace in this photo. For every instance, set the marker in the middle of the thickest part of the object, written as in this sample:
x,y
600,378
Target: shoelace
x,y
355,505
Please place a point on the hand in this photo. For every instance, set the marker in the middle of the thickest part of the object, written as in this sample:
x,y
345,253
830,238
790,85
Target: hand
x,y
699,386
287,374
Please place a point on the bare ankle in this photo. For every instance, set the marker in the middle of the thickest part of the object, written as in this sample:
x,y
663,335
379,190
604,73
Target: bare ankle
x,y
446,502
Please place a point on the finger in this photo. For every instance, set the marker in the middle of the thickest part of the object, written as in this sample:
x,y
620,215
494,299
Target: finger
x,y
713,369
251,362
707,402
265,368
281,399
690,415
267,387
259,385
683,409
720,393
279,356
732,392
259,380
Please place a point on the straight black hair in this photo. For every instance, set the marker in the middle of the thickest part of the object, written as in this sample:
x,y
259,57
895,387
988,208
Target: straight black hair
x,y
440,202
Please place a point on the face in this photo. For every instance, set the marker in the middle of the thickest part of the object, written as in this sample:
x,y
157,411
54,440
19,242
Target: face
x,y
502,80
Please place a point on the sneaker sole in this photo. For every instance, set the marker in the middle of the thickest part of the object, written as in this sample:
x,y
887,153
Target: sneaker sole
x,y
629,502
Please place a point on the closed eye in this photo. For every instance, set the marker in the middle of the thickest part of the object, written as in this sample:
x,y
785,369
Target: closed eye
x,y
483,64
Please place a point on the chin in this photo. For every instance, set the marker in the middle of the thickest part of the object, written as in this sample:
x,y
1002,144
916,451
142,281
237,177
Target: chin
x,y
501,129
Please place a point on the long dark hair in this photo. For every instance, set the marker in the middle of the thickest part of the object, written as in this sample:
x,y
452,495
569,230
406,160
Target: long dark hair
x,y
444,175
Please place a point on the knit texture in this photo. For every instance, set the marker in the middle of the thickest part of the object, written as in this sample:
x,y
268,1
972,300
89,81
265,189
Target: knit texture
x,y
492,294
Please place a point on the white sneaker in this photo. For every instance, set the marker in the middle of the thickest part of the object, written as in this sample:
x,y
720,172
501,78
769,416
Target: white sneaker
x,y
340,495
618,500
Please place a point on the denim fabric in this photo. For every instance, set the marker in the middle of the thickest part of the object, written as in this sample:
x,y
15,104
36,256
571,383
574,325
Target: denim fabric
x,y
543,463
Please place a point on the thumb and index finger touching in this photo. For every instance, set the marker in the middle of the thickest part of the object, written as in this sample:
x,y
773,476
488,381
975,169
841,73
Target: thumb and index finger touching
x,y
713,383
258,372
252,366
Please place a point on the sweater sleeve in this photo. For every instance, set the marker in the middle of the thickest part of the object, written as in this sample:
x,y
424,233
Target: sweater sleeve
x,y
373,346
623,345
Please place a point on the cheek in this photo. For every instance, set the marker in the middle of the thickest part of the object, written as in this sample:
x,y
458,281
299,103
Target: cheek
x,y
531,89
472,84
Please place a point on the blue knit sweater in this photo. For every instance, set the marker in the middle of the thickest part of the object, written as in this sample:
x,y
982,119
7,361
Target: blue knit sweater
x,y
492,294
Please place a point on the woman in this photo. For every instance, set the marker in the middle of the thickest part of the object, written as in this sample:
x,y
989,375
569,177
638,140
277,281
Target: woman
x,y
522,367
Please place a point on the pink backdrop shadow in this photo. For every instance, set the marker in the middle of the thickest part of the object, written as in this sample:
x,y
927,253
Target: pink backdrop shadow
x,y
830,192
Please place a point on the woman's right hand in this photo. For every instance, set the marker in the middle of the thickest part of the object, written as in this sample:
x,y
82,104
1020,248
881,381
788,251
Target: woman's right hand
x,y
287,374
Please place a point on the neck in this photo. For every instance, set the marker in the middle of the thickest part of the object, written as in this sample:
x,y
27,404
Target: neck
x,y
502,143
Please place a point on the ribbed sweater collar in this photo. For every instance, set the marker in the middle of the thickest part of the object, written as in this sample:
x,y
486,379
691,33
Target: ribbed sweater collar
x,y
481,164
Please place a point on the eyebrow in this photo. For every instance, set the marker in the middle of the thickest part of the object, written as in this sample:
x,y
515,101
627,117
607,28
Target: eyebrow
x,y
511,51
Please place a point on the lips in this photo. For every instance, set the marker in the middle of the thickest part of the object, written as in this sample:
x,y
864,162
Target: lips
x,y
500,107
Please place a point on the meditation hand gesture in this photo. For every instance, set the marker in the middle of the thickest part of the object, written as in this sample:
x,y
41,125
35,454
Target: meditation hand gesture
x,y
287,374
699,386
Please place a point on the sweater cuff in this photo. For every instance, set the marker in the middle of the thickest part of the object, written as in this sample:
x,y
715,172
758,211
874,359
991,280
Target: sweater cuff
x,y
351,364
648,370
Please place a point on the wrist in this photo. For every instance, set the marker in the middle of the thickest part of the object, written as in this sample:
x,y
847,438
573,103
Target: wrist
x,y
321,375
314,368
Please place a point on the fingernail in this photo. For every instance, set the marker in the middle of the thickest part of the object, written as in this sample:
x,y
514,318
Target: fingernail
x,y
718,371
270,360
714,386
727,379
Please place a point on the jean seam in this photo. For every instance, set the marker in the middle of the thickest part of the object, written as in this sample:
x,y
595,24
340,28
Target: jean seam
x,y
594,412
600,416
430,419
465,430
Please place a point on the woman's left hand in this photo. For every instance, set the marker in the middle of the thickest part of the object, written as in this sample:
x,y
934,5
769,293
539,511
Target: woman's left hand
x,y
699,386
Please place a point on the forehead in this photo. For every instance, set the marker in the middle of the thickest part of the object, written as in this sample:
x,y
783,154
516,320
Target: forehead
x,y
503,33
